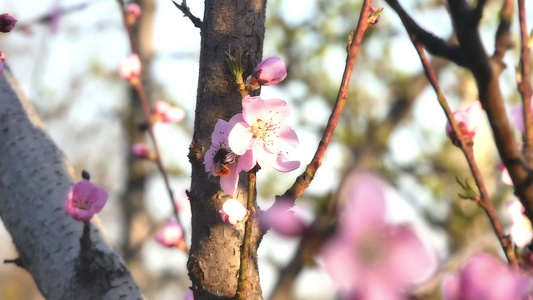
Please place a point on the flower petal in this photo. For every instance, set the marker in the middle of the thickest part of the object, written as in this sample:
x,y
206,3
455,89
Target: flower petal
x,y
285,165
240,138
230,182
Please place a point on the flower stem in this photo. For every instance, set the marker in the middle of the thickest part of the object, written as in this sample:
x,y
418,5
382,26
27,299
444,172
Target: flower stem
x,y
245,248
466,146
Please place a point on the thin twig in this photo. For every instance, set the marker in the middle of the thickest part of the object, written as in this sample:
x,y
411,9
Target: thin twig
x,y
524,84
467,148
187,13
245,248
139,88
303,181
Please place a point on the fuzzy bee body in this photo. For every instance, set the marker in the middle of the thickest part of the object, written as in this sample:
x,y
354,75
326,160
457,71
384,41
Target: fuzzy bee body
x,y
222,159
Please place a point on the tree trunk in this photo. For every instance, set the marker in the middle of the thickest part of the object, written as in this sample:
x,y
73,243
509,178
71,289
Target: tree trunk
x,y
34,180
215,249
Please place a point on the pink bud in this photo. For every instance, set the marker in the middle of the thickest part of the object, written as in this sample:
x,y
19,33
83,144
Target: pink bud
x,y
2,56
84,200
167,113
270,71
130,68
233,212
141,151
468,121
7,22
171,235
133,11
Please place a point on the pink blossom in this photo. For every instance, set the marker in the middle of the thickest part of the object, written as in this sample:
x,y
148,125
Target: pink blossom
x,y
368,258
133,11
262,129
182,202
130,68
282,219
167,113
270,71
7,22
233,212
521,231
485,277
221,161
141,150
84,200
2,56
171,235
467,120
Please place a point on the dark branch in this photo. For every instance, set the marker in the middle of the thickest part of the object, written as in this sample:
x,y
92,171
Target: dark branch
x,y
435,45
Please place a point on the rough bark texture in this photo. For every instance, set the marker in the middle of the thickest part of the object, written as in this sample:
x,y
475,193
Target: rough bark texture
x,y
214,259
34,180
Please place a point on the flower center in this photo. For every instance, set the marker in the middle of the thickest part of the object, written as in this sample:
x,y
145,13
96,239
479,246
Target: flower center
x,y
83,204
260,129
370,248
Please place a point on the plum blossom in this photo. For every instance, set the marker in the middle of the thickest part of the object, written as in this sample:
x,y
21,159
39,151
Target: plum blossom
x,y
133,11
7,23
84,200
233,212
171,235
270,71
485,277
219,160
167,113
521,230
282,219
467,120
262,129
368,258
130,68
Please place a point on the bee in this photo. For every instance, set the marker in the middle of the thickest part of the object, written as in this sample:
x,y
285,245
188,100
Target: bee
x,y
222,159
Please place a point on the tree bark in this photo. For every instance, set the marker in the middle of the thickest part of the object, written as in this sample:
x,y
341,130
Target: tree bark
x,y
214,255
34,180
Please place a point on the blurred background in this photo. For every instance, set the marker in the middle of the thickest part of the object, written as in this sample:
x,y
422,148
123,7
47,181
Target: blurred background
x,y
65,54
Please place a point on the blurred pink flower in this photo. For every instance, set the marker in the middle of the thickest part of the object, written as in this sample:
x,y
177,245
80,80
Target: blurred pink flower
x,y
141,150
368,258
270,71
517,116
262,129
133,11
182,202
171,235
84,200
2,56
167,113
233,212
221,161
282,220
485,277
130,68
521,231
468,121
7,22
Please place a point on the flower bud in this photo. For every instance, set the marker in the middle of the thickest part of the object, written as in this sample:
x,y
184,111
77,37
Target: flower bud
x,y
167,113
130,68
269,72
133,11
84,200
7,22
233,212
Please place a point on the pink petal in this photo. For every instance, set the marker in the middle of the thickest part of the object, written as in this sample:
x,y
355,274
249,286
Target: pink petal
x,y
171,234
276,110
209,160
270,71
230,182
252,109
409,261
517,117
240,138
246,161
285,165
366,206
232,212
283,220
474,116
220,133
451,288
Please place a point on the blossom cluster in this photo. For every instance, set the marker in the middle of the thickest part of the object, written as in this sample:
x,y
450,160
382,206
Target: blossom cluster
x,y
259,135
